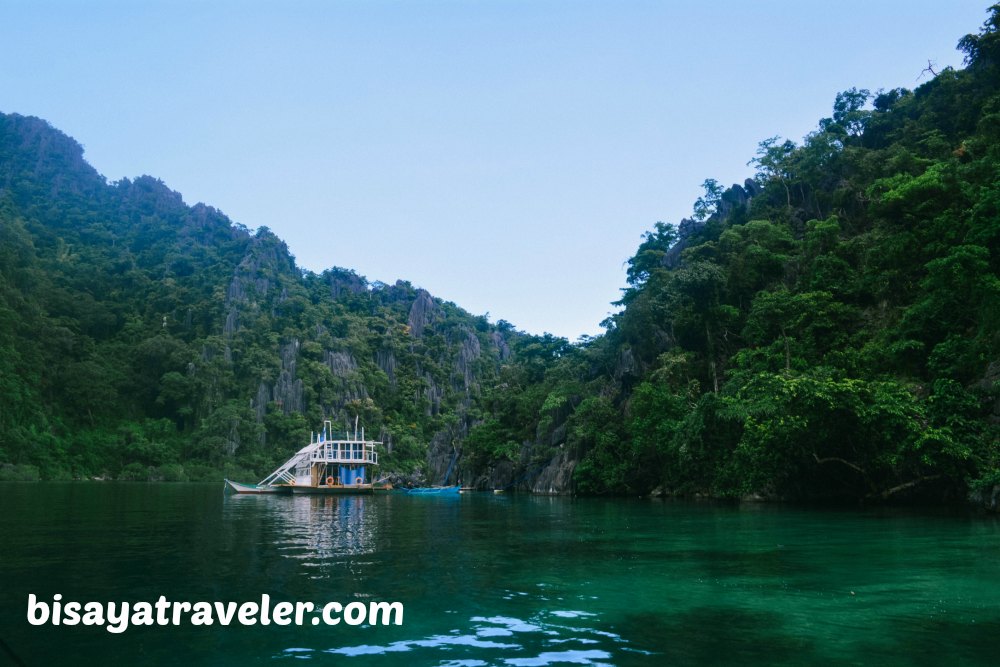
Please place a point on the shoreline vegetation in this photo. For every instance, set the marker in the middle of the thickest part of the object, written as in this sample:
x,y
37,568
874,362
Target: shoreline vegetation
x,y
133,472
827,331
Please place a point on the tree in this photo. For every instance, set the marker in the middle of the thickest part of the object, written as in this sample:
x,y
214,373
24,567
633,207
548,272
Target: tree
x,y
708,203
773,163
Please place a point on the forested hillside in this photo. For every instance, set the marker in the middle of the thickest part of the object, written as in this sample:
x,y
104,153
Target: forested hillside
x,y
141,337
828,329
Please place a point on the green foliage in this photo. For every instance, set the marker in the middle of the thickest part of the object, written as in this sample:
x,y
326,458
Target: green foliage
x,y
708,203
606,455
170,472
489,443
135,472
649,257
830,331
21,472
816,435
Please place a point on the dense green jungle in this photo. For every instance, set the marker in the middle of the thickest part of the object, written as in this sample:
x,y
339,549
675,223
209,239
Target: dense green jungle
x,y
827,331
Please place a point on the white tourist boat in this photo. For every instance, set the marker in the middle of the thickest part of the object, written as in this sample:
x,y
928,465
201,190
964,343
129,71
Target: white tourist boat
x,y
327,465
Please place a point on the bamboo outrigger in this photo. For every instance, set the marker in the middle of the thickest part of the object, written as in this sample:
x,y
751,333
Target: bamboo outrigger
x,y
326,465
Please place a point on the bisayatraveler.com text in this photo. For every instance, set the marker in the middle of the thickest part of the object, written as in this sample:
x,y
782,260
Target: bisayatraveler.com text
x,y
117,617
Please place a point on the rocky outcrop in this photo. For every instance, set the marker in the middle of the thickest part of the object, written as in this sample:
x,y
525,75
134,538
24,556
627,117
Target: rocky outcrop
x,y
443,454
556,478
344,282
288,389
386,360
350,386
500,343
258,277
341,364
260,401
266,260
627,366
990,378
987,498
468,353
232,324
431,394
733,198
499,476
751,188
423,313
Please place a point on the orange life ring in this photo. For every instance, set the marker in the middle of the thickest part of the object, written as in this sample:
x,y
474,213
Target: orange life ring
x,y
359,480
329,480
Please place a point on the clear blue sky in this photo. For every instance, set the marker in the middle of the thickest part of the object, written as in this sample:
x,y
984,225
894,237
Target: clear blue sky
x,y
504,155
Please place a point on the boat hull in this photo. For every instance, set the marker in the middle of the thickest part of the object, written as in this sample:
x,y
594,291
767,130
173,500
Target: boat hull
x,y
348,490
237,487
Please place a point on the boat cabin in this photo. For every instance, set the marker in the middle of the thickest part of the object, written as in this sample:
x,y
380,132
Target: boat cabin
x,y
336,462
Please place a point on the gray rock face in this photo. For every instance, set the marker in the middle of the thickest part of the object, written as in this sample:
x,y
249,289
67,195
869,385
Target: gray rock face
x,y
423,313
288,389
261,400
386,360
350,384
344,282
468,353
443,455
235,293
341,364
732,198
988,499
262,268
290,355
500,476
266,258
432,393
627,365
557,477
233,437
500,343
232,324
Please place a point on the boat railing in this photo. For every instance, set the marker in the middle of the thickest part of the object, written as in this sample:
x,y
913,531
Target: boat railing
x,y
284,474
324,449
345,451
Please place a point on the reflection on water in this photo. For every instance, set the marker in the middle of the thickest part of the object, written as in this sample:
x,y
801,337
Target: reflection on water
x,y
535,642
350,538
315,528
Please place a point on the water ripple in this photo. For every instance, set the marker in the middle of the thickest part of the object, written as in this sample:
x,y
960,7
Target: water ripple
x,y
502,640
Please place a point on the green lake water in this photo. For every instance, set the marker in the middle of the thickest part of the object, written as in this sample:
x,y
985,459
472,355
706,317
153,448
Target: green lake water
x,y
502,580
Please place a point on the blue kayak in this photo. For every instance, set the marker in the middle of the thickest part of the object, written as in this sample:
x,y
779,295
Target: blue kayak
x,y
434,490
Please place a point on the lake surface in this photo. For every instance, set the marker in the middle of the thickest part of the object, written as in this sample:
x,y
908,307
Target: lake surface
x,y
502,580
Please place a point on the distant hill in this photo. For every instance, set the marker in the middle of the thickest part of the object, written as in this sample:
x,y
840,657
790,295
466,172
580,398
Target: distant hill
x,y
138,333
